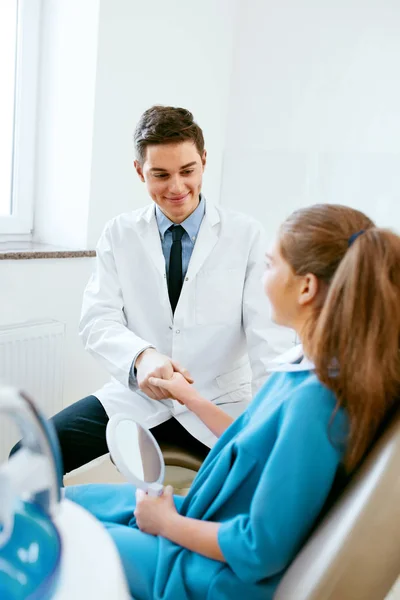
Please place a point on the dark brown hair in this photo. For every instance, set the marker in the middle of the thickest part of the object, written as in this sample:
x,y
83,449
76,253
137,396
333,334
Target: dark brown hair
x,y
353,337
166,125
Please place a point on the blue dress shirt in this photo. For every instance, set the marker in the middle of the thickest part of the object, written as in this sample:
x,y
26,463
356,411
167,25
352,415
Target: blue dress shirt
x,y
191,226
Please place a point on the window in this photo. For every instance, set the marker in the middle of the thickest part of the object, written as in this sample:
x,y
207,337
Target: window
x,y
19,41
8,42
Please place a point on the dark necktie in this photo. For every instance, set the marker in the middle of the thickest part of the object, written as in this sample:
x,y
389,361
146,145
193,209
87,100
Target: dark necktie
x,y
175,277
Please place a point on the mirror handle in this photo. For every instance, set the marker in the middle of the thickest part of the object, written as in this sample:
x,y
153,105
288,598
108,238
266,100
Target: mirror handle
x,y
155,489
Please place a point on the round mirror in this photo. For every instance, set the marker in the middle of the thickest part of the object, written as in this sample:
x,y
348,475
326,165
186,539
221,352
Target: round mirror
x,y
135,452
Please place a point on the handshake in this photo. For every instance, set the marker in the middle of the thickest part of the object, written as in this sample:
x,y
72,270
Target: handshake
x,y
160,377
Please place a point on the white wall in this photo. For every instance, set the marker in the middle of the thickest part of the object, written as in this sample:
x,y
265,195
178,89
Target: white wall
x,y
315,108
103,62
52,289
156,52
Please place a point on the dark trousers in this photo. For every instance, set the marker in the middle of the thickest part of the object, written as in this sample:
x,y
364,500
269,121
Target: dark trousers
x,y
81,431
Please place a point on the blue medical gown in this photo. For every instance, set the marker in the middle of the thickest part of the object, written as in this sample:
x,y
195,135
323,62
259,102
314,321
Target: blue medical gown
x,y
266,480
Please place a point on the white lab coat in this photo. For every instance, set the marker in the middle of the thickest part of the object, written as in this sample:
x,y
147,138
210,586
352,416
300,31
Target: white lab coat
x,y
221,320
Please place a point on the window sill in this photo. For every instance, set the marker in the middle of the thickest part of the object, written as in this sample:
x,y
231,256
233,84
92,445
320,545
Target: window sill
x,y
34,250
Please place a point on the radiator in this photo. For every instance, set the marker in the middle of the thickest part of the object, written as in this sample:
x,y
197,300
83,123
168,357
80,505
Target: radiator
x,y
32,359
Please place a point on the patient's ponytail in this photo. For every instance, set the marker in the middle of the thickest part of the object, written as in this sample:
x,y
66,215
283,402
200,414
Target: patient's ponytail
x,y
353,336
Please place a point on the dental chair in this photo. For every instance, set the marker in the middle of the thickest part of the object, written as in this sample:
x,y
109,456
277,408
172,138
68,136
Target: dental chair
x,y
354,553
175,456
181,467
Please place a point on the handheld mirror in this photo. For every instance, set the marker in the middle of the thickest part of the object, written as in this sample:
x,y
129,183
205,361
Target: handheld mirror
x,y
136,453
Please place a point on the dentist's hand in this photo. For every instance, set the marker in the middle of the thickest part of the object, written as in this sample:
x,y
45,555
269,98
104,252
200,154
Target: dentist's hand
x,y
153,512
177,387
151,363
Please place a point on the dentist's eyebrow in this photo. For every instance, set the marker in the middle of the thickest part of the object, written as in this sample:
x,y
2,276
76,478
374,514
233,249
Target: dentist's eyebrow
x,y
191,164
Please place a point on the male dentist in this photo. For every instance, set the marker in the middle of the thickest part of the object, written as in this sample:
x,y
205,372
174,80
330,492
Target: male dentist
x,y
176,287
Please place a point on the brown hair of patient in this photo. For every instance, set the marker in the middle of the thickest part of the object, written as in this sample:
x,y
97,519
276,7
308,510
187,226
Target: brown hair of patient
x,y
353,334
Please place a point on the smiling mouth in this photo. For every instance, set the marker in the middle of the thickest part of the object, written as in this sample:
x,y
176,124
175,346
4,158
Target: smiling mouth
x,y
178,198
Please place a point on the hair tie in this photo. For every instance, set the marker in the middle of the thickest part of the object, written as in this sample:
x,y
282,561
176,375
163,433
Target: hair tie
x,y
353,237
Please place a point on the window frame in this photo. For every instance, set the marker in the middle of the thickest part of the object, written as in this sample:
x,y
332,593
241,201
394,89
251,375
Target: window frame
x,y
20,221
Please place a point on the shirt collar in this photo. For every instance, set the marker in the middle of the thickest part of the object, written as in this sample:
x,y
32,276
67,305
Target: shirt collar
x,y
191,225
290,361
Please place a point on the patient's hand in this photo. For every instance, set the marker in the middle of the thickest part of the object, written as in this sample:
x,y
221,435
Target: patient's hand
x,y
177,387
153,512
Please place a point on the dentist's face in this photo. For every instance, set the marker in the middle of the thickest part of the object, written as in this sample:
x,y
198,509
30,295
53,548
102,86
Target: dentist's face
x,y
173,176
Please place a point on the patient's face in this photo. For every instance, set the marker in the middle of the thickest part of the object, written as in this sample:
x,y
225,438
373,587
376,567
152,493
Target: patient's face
x,y
281,287
173,175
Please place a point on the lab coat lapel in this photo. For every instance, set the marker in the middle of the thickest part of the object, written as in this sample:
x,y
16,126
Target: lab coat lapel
x,y
206,240
150,236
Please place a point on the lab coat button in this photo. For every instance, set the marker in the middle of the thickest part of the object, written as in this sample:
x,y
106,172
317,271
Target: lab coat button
x,y
178,331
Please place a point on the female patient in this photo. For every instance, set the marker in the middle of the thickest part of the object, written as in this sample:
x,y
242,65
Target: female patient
x,y
334,278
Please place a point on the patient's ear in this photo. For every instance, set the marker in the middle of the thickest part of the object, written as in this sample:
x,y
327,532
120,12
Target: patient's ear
x,y
308,289
139,169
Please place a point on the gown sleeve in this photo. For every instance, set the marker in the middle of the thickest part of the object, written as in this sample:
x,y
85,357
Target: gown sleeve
x,y
292,489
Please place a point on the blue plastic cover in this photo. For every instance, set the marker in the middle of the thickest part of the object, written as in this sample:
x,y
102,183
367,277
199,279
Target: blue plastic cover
x,y
30,559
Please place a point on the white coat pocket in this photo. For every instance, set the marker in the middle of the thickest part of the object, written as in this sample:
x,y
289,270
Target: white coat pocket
x,y
219,295
238,380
